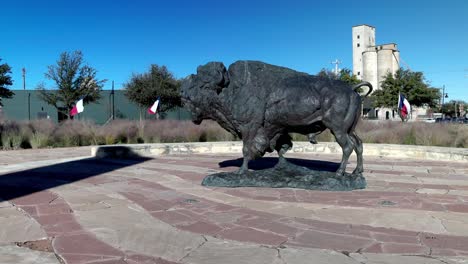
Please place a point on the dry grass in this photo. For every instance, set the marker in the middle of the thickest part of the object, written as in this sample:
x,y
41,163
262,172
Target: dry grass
x,y
414,133
44,133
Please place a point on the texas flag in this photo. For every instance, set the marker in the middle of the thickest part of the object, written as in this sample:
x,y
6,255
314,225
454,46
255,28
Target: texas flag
x,y
78,108
404,106
154,107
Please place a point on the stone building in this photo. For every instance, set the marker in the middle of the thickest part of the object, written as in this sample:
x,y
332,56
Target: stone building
x,y
372,63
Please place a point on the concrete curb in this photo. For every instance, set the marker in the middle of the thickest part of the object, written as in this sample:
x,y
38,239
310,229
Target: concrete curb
x,y
381,150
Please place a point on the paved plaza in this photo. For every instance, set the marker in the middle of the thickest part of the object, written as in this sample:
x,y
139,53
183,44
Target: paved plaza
x,y
64,206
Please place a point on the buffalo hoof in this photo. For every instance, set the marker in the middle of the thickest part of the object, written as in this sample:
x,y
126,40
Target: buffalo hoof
x,y
358,171
340,172
313,140
282,162
242,170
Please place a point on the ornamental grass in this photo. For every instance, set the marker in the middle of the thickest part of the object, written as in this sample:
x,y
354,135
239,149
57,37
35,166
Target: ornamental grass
x,y
70,133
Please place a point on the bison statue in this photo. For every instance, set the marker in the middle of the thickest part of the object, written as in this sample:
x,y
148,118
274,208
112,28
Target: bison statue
x,y
262,103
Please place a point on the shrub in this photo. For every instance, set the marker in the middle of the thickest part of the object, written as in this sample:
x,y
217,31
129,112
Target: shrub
x,y
461,139
44,133
11,140
120,131
11,135
39,140
75,133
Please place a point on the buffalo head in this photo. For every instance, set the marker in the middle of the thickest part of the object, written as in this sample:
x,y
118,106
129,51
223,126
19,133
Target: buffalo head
x,y
200,91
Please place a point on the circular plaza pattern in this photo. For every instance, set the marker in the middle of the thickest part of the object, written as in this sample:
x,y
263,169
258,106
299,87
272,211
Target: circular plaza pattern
x,y
66,206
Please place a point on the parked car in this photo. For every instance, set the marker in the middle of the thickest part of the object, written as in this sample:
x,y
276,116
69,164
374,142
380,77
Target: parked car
x,y
460,120
429,120
443,120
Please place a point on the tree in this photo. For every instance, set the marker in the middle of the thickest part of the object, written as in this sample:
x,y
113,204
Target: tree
x,y
452,108
344,75
324,73
143,89
411,84
5,80
347,77
74,80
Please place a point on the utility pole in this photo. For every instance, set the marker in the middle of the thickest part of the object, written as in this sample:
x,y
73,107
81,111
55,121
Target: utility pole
x,y
29,94
336,62
444,95
24,78
113,95
29,106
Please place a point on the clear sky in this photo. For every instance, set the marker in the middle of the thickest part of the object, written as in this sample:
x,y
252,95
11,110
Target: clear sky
x,y
121,37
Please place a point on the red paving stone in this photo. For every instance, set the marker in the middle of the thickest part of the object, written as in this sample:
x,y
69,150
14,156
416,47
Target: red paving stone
x,y
394,247
263,228
29,209
54,219
58,208
141,259
155,205
84,259
62,228
247,234
461,208
278,228
35,198
444,241
84,244
317,239
391,238
369,199
173,217
70,240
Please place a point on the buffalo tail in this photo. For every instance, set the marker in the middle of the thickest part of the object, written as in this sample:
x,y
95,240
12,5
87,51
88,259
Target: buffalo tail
x,y
364,84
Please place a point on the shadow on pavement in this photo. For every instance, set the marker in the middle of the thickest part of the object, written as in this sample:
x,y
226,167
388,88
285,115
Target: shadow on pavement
x,y
266,163
17,184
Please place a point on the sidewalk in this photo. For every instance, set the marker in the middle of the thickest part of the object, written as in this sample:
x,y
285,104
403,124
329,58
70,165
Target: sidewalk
x,y
63,206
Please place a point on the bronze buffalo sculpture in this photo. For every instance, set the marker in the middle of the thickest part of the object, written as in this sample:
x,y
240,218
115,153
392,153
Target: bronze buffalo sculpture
x,y
262,103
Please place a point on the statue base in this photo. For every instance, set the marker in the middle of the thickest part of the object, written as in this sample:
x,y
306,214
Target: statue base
x,y
288,175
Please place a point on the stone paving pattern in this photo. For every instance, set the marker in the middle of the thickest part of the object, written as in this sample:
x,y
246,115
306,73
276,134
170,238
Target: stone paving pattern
x,y
63,206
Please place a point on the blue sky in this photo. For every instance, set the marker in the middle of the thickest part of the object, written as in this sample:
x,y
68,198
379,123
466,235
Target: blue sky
x,y
120,37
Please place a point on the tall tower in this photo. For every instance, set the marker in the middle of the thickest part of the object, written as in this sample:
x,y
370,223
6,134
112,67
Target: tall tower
x,y
363,38
388,58
373,62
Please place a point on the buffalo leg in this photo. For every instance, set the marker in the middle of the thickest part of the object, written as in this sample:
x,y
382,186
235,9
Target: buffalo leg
x,y
312,138
358,149
346,145
318,128
245,164
283,144
253,147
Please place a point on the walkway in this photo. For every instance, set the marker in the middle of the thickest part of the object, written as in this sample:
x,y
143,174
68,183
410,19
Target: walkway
x,y
63,206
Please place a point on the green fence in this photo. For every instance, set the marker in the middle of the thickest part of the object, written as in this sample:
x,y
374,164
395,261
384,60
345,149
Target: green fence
x,y
26,105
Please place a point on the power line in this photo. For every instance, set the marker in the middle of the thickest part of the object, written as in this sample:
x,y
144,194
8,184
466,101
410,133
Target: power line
x,y
402,61
406,64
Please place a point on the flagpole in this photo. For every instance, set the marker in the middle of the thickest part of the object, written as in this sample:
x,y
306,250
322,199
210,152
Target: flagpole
x,y
113,105
398,104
